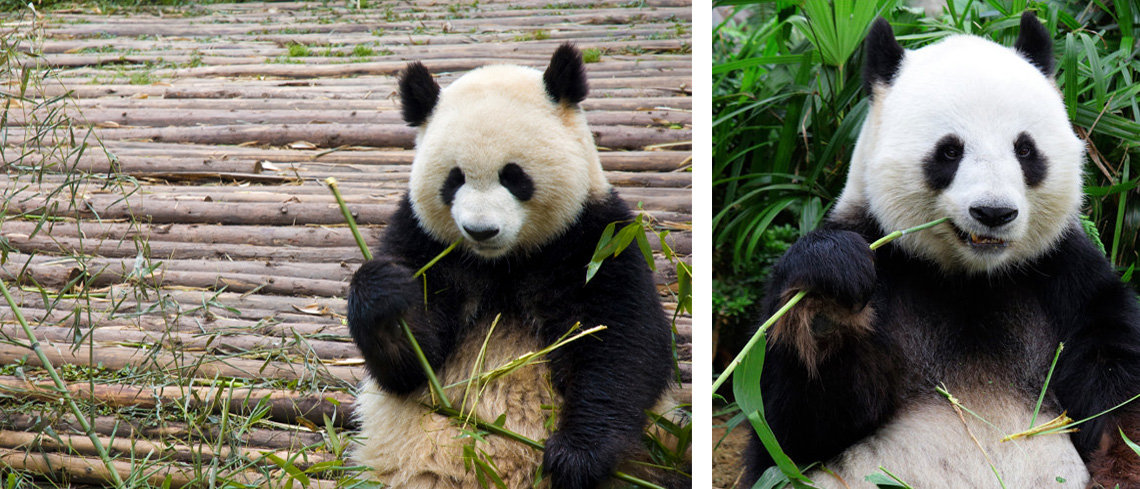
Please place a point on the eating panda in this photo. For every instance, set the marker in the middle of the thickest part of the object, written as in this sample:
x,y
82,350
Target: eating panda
x,y
506,164
921,356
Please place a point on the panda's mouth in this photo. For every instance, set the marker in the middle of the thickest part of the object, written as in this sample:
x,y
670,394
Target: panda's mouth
x,y
979,241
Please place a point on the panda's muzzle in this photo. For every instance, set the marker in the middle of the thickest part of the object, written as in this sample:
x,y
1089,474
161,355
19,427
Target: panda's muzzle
x,y
481,234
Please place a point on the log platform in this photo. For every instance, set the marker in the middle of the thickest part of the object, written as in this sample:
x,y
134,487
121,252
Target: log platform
x,y
167,232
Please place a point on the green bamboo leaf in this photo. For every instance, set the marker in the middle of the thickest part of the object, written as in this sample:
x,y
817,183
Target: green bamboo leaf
x,y
1130,443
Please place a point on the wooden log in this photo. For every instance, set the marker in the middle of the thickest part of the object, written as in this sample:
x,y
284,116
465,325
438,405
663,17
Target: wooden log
x,y
284,406
136,117
221,344
335,135
273,213
140,449
126,427
591,104
93,470
183,364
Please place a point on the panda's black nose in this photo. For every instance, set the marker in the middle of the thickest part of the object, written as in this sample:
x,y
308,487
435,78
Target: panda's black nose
x,y
993,216
481,234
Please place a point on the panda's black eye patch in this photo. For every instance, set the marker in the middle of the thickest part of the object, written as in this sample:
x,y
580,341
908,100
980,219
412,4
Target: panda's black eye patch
x,y
941,164
515,179
1032,163
455,179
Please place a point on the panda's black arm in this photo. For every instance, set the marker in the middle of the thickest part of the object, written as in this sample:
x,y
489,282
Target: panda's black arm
x,y
383,291
608,380
1099,317
827,382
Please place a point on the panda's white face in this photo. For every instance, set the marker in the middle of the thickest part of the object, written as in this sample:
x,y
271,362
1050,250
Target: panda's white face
x,y
969,130
502,165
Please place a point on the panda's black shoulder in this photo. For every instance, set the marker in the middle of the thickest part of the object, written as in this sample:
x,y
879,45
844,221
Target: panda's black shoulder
x,y
581,237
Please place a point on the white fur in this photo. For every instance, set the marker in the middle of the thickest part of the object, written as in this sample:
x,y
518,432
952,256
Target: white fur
x,y
490,117
987,95
928,445
479,205
409,447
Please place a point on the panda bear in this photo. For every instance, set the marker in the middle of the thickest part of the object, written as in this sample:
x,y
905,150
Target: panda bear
x,y
976,306
506,163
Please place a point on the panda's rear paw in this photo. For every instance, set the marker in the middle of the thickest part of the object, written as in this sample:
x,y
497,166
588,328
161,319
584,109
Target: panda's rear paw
x,y
381,291
832,265
570,464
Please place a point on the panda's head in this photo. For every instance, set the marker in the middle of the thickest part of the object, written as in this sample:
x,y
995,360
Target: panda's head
x,y
973,131
504,158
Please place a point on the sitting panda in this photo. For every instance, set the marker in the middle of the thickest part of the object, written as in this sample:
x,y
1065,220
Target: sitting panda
x,y
505,161
976,132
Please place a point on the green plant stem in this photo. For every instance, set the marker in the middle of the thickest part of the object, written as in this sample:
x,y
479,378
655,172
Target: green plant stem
x,y
433,381
437,258
796,299
331,182
756,339
61,387
1044,388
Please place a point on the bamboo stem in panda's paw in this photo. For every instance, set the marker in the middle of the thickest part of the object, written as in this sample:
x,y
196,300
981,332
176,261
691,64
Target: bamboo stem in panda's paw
x,y
797,298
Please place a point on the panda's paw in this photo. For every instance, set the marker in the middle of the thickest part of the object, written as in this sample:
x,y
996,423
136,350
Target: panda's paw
x,y
836,266
380,292
571,464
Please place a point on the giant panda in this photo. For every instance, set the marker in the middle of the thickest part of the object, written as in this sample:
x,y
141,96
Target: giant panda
x,y
505,163
976,306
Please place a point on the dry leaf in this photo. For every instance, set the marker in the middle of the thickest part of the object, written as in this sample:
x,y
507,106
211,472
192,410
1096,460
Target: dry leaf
x,y
302,145
314,309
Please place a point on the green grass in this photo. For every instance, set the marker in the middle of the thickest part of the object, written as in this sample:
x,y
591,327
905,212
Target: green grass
x,y
298,51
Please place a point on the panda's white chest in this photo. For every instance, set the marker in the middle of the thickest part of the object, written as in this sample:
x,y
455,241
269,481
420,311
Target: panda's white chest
x,y
928,444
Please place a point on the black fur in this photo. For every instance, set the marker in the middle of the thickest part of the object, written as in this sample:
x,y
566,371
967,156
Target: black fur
x,y
418,93
607,382
941,164
455,179
515,179
1035,43
883,55
1033,164
565,77
1071,294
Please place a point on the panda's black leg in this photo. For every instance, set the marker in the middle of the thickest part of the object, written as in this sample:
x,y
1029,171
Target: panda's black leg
x,y
382,293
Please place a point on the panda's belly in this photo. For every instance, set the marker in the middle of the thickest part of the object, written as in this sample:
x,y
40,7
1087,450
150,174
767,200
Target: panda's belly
x,y
409,447
929,446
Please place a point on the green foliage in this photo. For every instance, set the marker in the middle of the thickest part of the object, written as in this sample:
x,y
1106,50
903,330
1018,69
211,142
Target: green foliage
x,y
591,55
298,50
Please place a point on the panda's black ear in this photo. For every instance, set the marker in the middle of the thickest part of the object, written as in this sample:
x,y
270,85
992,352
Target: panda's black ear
x,y
1035,43
418,93
565,78
882,55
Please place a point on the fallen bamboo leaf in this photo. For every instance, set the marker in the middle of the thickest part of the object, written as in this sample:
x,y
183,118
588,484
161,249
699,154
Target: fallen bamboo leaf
x,y
1060,421
302,145
313,309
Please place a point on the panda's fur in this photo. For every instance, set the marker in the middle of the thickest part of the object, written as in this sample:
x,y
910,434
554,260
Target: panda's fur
x,y
977,132
505,162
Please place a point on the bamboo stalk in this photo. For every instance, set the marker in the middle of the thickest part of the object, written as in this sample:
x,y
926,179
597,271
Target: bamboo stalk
x,y
46,364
